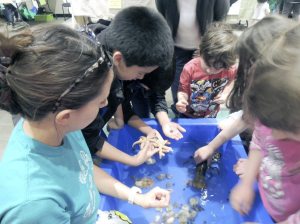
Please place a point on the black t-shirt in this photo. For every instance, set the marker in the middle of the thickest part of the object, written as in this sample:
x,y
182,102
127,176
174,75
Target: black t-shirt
x,y
121,92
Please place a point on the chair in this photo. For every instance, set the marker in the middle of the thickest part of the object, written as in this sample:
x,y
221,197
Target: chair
x,y
66,5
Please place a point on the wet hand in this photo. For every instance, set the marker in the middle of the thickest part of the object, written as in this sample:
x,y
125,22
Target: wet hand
x,y
240,167
147,150
154,133
241,198
173,130
204,153
155,198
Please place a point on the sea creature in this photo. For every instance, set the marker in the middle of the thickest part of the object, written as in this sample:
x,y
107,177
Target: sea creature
x,y
199,178
144,182
214,167
216,157
194,202
157,142
112,217
169,185
183,214
161,176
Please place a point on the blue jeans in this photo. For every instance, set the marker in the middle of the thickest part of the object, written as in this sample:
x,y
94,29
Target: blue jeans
x,y
182,56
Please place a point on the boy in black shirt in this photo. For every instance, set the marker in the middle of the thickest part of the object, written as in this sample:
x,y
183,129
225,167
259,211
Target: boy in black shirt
x,y
140,45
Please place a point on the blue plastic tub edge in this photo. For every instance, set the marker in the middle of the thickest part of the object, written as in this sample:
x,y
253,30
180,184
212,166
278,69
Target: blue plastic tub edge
x,y
109,203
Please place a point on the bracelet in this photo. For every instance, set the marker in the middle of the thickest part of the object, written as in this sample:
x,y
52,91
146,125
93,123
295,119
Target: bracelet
x,y
133,191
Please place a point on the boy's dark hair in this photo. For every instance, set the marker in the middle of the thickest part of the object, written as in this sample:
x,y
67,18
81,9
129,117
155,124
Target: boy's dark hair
x,y
250,46
37,68
142,36
274,93
217,46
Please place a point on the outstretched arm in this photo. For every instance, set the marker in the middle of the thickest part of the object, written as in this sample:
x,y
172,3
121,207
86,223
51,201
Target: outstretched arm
x,y
106,184
111,153
237,126
242,195
170,129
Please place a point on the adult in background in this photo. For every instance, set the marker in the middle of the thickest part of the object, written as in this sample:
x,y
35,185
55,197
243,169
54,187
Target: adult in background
x,y
188,21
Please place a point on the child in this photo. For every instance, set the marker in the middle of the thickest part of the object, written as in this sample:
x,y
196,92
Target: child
x,y
272,100
188,23
47,174
262,9
250,46
140,44
204,79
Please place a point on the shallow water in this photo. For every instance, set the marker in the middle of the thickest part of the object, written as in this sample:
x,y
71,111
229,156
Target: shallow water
x,y
181,167
213,205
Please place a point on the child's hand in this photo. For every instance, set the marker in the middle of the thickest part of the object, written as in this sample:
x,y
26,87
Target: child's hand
x,y
154,133
240,167
204,153
146,152
181,105
173,130
241,198
155,198
220,99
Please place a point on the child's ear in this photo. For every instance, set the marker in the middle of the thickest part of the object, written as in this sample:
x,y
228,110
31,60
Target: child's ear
x,y
117,58
63,117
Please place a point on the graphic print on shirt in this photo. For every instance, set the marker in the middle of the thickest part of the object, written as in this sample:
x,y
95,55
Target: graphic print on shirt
x,y
86,178
271,171
203,93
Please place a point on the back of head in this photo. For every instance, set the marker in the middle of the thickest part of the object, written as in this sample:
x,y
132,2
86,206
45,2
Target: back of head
x,y
250,46
217,46
142,36
274,93
43,65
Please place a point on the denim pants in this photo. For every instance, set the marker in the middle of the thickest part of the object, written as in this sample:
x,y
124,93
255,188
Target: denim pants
x,y
182,56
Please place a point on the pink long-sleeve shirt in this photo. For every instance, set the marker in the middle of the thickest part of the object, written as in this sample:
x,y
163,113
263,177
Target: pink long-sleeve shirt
x,y
279,174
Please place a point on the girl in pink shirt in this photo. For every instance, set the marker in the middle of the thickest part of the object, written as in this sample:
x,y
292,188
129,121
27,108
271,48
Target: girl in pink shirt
x,y
273,101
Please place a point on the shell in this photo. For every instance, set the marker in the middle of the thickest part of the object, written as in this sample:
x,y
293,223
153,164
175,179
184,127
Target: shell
x,y
144,182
